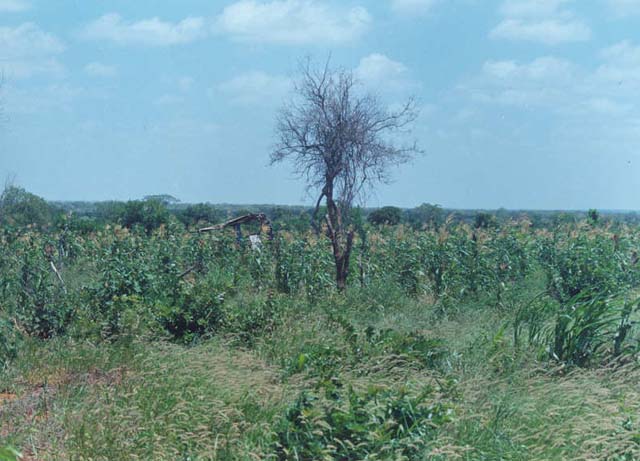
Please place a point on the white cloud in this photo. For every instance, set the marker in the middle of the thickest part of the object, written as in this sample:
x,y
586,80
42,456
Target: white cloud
x,y
540,70
28,40
97,69
29,68
545,81
379,72
153,31
620,69
624,7
255,87
412,6
594,103
530,8
549,32
624,54
54,98
14,6
28,50
291,22
542,21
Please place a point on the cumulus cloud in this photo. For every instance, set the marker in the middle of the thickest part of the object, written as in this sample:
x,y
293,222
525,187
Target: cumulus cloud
x,y
531,8
543,21
291,22
152,32
54,98
97,69
412,6
255,87
14,6
620,69
541,82
382,73
624,7
560,84
28,50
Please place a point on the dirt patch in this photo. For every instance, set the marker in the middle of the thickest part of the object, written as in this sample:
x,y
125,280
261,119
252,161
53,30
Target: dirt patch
x,y
7,397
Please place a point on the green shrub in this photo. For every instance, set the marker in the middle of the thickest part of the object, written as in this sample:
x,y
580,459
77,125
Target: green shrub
x,y
589,324
585,263
338,423
197,309
9,454
21,208
149,214
9,342
389,215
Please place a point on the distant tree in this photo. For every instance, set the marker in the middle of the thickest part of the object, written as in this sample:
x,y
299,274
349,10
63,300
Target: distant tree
x,y
485,220
110,211
338,139
425,215
149,214
285,218
165,199
386,215
593,216
200,213
21,208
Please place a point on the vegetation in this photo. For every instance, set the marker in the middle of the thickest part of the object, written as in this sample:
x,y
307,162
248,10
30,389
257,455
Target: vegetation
x,y
450,341
390,215
339,141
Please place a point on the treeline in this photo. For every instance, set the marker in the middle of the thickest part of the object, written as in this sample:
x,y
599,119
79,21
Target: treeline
x,y
21,208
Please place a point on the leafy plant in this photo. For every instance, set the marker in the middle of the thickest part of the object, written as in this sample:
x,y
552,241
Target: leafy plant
x,y
9,454
588,324
9,342
338,423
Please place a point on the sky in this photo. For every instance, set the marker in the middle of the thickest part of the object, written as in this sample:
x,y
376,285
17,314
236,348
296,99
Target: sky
x,y
524,104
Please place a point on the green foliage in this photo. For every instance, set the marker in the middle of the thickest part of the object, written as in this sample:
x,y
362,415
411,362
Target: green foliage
x,y
10,340
197,309
149,214
339,423
587,325
30,290
20,208
584,262
201,213
485,220
590,326
425,216
165,199
389,215
9,454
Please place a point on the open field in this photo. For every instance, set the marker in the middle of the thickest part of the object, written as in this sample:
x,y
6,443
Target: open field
x,y
502,341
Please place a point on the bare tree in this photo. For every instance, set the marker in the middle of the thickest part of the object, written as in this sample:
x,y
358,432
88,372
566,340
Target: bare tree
x,y
340,139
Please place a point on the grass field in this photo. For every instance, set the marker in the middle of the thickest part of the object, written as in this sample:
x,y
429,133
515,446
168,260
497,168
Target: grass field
x,y
490,354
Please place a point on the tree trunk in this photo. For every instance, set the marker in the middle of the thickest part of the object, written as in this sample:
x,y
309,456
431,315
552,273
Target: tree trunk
x,y
341,239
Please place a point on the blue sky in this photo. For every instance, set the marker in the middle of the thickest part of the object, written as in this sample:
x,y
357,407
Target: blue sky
x,y
524,103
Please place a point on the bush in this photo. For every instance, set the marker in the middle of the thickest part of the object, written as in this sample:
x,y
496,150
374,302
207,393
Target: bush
x,y
585,263
197,309
200,213
9,342
341,424
386,215
21,208
589,324
149,214
9,454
